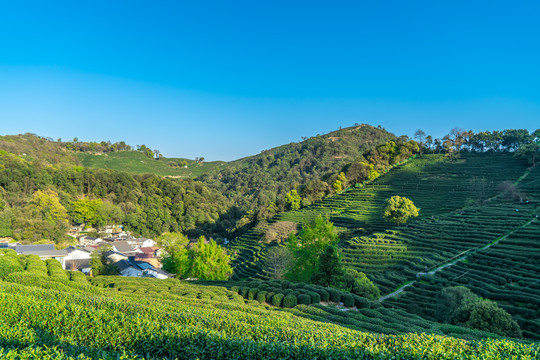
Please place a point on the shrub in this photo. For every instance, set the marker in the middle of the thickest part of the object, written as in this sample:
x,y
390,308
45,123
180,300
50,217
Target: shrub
x,y
290,301
315,297
277,298
244,291
287,291
325,295
303,299
335,295
261,296
348,300
77,276
252,294
269,296
361,303
235,289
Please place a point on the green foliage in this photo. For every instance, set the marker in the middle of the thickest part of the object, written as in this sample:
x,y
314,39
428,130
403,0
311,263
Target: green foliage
x,y
399,209
308,247
290,301
96,264
277,299
529,151
205,261
177,259
210,261
359,284
337,186
293,200
450,299
347,300
330,269
303,299
261,296
459,305
88,211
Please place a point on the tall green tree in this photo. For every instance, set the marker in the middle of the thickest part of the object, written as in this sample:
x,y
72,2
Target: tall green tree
x,y
330,269
399,209
293,200
529,151
177,259
210,261
308,246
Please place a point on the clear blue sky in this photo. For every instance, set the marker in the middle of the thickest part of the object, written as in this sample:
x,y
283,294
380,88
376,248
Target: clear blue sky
x,y
226,79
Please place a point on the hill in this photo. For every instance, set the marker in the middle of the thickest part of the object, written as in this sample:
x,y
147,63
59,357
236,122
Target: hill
x,y
135,162
458,217
48,313
258,185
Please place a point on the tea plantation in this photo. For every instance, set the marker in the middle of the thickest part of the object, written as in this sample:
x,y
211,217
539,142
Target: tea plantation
x,y
47,313
436,185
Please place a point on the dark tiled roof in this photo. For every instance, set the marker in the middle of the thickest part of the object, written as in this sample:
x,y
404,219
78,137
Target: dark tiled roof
x,y
26,248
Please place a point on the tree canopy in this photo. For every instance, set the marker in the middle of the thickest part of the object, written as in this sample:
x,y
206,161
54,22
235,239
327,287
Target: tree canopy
x,y
399,209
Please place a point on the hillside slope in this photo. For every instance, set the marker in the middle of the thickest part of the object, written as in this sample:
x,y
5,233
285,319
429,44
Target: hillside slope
x,y
47,312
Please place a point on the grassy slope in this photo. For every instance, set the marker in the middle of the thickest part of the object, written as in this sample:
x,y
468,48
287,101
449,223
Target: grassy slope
x,y
136,163
152,318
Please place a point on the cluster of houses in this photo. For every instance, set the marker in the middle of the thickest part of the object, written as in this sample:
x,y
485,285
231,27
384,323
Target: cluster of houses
x,y
132,256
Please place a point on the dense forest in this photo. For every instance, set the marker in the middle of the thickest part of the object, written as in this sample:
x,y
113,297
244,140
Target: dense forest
x,y
43,188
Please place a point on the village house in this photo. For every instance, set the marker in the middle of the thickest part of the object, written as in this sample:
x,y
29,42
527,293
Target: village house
x,y
45,252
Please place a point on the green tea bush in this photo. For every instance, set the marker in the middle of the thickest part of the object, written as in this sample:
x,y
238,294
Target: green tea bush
x,y
290,301
325,295
277,299
261,296
252,293
315,297
335,295
361,303
348,300
303,299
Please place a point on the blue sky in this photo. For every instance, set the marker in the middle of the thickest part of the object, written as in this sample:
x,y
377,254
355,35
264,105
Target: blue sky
x,y
225,80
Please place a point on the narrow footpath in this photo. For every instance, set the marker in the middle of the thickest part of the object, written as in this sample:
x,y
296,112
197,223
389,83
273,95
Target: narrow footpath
x,y
452,261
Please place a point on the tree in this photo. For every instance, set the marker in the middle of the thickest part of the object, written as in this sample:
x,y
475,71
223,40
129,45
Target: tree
x,y
176,259
530,151
399,209
337,186
450,299
420,135
210,261
359,284
205,261
330,269
88,211
458,305
308,247
95,263
293,200
278,261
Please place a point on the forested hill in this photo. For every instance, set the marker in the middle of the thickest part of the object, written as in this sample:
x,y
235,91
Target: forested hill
x,y
259,184
133,192
32,147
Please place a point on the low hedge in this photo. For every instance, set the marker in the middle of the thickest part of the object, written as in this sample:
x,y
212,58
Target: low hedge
x,y
277,299
335,295
290,301
303,299
361,302
252,293
348,300
261,296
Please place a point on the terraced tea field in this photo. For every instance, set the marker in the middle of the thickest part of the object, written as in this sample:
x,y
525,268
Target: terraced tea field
x,y
48,314
436,185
